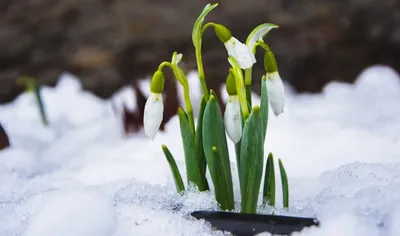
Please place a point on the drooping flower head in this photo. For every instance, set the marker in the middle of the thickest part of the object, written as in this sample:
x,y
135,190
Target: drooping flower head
x,y
236,49
154,108
276,91
232,116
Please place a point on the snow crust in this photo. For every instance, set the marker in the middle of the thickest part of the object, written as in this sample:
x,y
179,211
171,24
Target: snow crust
x,y
81,176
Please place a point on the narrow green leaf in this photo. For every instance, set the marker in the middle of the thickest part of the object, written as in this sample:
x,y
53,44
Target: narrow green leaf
x,y
269,182
201,158
214,136
192,168
285,185
31,86
220,184
237,152
264,105
251,161
174,169
40,104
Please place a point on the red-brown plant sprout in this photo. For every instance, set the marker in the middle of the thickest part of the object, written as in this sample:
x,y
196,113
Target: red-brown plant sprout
x,y
4,141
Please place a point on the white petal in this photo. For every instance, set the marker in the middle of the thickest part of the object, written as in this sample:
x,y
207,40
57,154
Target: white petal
x,y
233,119
240,52
153,114
230,47
276,92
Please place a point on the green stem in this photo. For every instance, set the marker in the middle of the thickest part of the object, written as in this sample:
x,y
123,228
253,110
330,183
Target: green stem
x,y
163,64
241,93
40,104
247,80
188,103
200,61
240,87
180,76
201,72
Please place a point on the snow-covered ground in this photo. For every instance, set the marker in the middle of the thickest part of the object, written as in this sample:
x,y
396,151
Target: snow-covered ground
x,y
82,177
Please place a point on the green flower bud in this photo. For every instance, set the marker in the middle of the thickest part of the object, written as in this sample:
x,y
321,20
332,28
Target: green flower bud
x,y
270,62
231,84
222,32
157,82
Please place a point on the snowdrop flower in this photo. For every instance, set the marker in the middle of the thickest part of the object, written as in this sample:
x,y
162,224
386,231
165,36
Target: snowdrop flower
x,y
154,108
276,91
232,116
239,51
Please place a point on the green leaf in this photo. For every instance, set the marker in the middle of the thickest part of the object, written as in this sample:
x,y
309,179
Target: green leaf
x,y
220,185
258,33
285,185
251,161
174,169
214,136
237,152
40,104
201,158
31,86
264,105
199,23
269,182
192,168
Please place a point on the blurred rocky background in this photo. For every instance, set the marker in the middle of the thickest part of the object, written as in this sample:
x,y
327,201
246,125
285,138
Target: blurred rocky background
x,y
111,43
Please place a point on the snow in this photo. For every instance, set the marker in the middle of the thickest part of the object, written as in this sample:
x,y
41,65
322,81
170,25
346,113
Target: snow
x,y
80,212
82,176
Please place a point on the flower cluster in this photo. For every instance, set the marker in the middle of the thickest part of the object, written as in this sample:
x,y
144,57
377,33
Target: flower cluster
x,y
205,143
